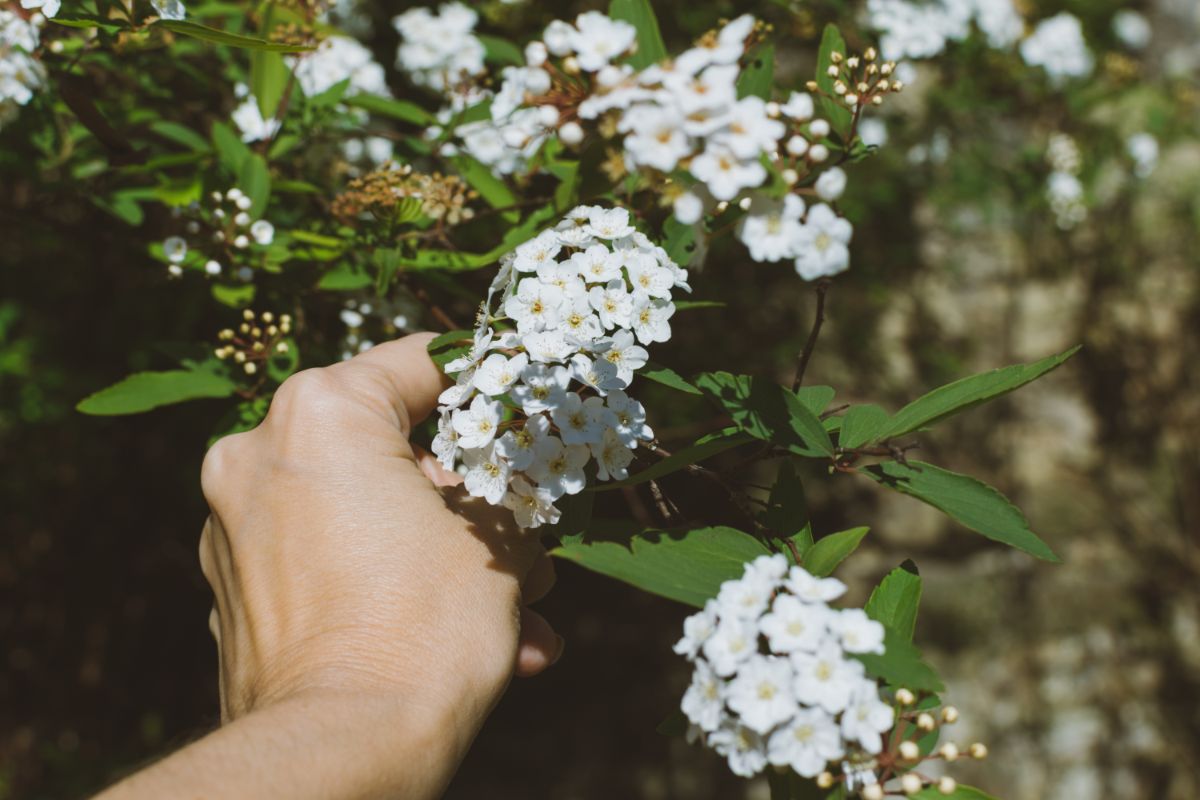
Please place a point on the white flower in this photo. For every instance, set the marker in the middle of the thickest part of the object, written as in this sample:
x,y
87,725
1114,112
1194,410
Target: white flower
x,y
656,138
825,678
262,232
704,701
858,632
549,347
734,641
1057,45
806,743
597,374
811,589
175,249
629,418
497,374
799,106
761,694
696,630
581,421
249,120
745,598
479,350
519,445
831,185
541,388
558,468
688,208
537,252
724,174
439,51
1143,149
445,443
742,747
750,132
169,9
609,223
824,249
613,456
599,39
772,230
487,473
598,264
532,506
794,625
559,38
651,319
873,132
1131,28
535,306
625,355
477,425
613,304
337,59
48,7
867,717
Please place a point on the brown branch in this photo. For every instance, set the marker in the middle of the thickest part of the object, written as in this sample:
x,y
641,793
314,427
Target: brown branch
x,y
802,365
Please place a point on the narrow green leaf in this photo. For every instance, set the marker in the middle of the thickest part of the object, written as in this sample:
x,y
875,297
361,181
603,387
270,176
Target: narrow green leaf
x,y
688,566
968,393
308,237
143,391
838,115
967,500
829,551
768,411
961,793
268,78
232,152
491,187
862,425
180,134
668,377
345,277
402,110
254,178
88,21
705,448
895,600
640,14
216,36
759,74
689,305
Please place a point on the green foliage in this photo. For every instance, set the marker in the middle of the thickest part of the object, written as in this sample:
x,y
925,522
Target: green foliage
x,y
768,411
640,14
759,75
215,36
896,599
704,448
840,118
688,566
829,551
967,500
961,793
143,391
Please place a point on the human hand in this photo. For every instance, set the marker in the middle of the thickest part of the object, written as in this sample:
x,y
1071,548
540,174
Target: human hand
x,y
343,559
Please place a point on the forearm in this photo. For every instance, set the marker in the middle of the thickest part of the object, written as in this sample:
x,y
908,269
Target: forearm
x,y
323,744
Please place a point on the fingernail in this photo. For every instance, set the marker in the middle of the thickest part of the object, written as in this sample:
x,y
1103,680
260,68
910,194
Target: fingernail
x,y
558,651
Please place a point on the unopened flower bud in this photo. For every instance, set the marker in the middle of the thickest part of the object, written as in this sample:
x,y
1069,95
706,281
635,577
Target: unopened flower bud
x,y
239,357
909,750
244,203
241,242
852,62
851,99
250,367
905,697
876,100
570,65
248,315
282,347
839,88
949,751
978,751
790,176
818,153
872,792
797,145
925,721
947,785
835,57
950,715
811,86
910,784
773,109
825,780
819,128
870,54
832,71
570,133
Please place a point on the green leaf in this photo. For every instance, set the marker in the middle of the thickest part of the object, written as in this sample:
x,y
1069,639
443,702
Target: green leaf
x,y
345,277
667,377
961,793
319,239
895,600
88,21
216,36
143,391
282,365
680,241
968,393
829,551
901,664
688,566
402,110
689,305
233,296
500,51
566,194
704,448
640,14
269,75
768,411
759,74
448,346
180,134
491,187
815,398
232,152
787,509
967,500
862,425
838,115
254,178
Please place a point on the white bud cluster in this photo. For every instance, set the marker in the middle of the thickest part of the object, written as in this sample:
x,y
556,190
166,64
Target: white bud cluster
x,y
227,226
541,394
21,74
775,682
1064,190
439,50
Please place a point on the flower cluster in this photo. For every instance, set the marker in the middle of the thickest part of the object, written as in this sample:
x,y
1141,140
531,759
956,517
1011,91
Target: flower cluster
x,y
223,225
337,59
1057,46
541,393
1143,149
775,681
912,30
383,192
1064,191
21,74
255,340
439,50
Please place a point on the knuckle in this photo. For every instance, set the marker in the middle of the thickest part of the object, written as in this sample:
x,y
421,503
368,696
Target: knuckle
x,y
309,396
220,460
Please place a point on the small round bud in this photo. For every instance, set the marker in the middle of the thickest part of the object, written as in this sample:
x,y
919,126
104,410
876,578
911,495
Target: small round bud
x,y
978,751
839,88
797,146
744,204
949,751
872,792
215,197
258,347
897,86
250,367
212,267
818,153
905,698
248,315
267,316
256,332
570,134
950,715
221,353
773,109
790,176
876,100
883,86
819,128
282,347
861,87
175,271
871,54
925,721
570,65
242,219
241,242
219,213
722,207
947,785
851,99
272,330
234,194
239,357
243,203
811,86
225,335
832,72
909,751
852,62
825,780
835,57
910,784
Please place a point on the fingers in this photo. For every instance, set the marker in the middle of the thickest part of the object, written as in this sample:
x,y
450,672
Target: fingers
x,y
434,470
539,646
539,581
411,379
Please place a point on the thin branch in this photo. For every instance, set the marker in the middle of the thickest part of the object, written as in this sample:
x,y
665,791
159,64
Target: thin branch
x,y
822,287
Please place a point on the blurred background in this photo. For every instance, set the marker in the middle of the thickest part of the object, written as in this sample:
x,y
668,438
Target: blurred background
x,y
1083,678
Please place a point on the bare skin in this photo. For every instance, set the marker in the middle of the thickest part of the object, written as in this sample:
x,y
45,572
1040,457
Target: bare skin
x,y
368,613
